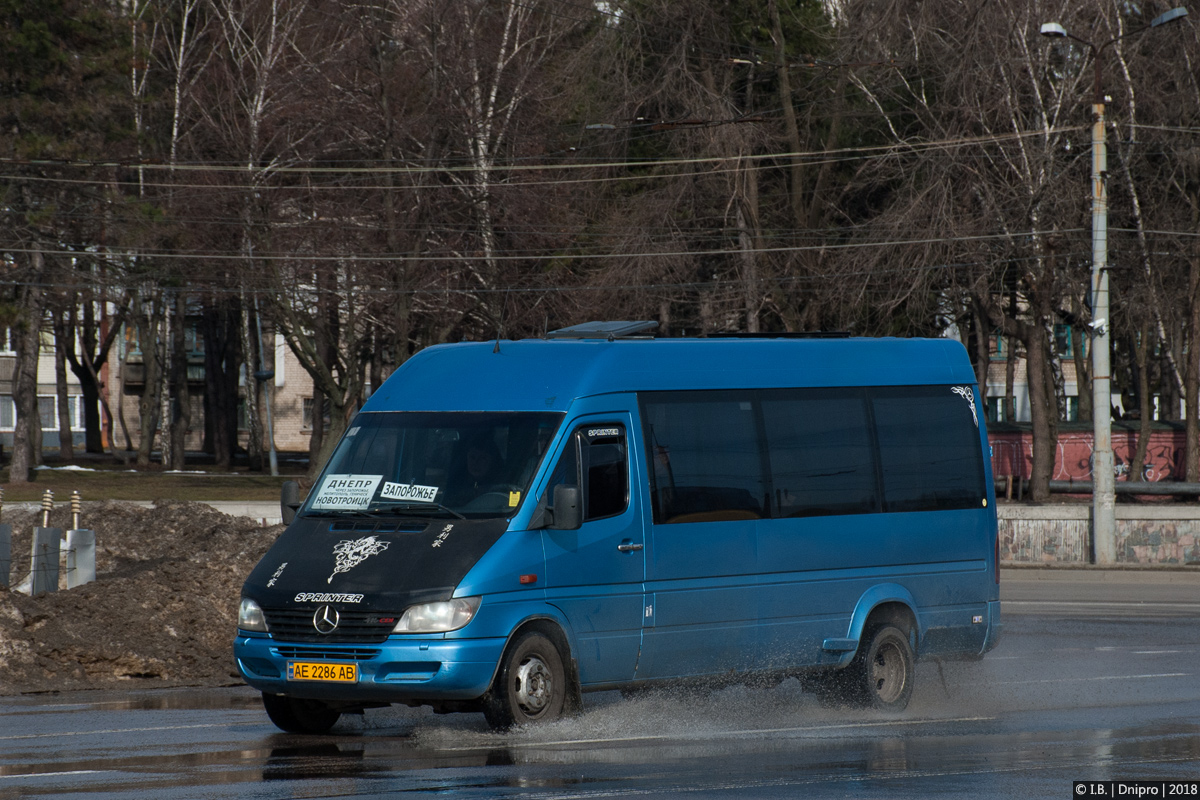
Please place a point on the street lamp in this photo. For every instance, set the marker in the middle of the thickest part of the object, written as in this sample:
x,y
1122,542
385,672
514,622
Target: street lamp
x,y
1104,525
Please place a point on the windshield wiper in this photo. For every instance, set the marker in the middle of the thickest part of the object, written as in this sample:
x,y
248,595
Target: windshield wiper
x,y
414,506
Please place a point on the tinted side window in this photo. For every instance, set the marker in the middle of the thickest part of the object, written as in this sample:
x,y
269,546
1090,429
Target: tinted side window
x,y
599,454
605,464
819,442
704,456
929,450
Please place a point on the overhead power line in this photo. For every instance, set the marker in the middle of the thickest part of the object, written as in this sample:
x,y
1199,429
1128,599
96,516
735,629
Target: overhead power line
x,y
382,289
314,169
353,258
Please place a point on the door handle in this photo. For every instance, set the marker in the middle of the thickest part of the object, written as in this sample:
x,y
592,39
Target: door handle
x,y
629,547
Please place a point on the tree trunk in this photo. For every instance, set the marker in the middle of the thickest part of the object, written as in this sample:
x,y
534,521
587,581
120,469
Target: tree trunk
x,y
167,348
791,126
250,366
95,342
27,338
220,385
66,443
1083,375
1141,358
181,419
1042,413
147,320
1192,379
316,439
979,337
746,211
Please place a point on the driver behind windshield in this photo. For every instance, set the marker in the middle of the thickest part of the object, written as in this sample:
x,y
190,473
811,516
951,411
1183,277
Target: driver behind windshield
x,y
482,471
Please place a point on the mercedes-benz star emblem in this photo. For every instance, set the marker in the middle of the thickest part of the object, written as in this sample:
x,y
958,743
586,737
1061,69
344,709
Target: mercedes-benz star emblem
x,y
326,619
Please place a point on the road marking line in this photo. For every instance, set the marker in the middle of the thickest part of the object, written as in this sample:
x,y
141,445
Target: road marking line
x,y
54,774
1099,678
729,733
121,730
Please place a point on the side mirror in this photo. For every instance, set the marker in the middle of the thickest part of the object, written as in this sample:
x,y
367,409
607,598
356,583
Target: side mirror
x,y
289,501
567,514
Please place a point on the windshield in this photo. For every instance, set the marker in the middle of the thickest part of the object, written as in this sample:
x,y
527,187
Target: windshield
x,y
471,465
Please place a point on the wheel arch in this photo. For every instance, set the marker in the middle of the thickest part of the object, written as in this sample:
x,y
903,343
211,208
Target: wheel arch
x,y
557,631
887,603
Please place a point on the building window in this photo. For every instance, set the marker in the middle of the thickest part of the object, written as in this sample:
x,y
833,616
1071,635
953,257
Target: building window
x,y
306,421
1071,410
1064,342
47,412
995,409
998,347
75,406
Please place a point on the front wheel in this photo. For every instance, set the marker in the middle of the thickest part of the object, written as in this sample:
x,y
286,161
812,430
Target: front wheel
x,y
881,675
296,715
531,685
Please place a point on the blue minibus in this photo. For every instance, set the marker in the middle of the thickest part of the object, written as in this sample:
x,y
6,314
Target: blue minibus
x,y
507,525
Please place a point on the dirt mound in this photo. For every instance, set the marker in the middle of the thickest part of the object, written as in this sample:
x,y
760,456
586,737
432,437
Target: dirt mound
x,y
162,611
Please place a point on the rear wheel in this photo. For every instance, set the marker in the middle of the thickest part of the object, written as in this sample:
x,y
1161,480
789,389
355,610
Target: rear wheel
x,y
296,715
881,674
531,685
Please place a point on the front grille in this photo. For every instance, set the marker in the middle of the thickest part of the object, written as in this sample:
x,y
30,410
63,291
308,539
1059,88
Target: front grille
x,y
354,627
327,653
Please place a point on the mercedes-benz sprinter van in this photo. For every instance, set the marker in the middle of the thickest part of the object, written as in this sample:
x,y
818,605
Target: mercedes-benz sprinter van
x,y
506,525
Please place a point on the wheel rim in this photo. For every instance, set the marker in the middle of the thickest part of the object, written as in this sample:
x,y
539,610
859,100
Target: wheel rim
x,y
888,673
534,686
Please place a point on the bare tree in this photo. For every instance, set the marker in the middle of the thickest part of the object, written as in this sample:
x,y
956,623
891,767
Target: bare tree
x,y
998,169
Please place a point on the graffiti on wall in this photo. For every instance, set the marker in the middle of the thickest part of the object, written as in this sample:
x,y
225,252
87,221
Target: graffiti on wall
x,y
1012,454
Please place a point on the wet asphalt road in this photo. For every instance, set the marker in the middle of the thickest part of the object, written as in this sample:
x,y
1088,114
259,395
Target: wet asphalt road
x,y
1097,678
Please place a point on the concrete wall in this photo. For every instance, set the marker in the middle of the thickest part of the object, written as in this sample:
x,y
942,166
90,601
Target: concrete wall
x,y
1060,534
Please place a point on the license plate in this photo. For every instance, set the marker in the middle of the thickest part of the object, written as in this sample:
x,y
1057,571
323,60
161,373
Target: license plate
x,y
319,671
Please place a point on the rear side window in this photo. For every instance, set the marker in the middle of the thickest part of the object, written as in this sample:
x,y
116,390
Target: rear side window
x,y
819,441
706,464
736,455
929,449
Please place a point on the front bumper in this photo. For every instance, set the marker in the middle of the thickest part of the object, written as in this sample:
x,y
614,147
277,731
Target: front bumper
x,y
401,669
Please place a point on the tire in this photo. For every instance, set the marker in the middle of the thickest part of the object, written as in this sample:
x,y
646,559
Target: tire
x,y
531,686
295,715
882,672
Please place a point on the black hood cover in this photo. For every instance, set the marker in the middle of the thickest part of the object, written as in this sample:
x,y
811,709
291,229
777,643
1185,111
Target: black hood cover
x,y
377,565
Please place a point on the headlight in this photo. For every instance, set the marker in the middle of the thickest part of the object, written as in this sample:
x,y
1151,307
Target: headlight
x,y
446,615
250,616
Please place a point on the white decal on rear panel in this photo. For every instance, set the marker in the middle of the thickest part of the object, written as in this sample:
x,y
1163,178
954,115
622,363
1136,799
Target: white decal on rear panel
x,y
966,393
350,492
408,491
349,553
